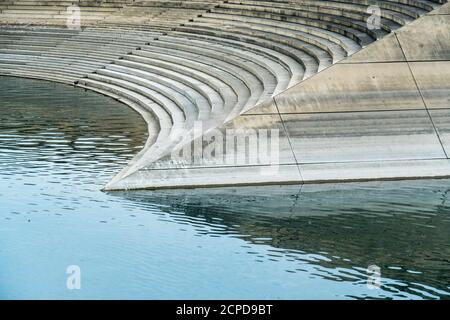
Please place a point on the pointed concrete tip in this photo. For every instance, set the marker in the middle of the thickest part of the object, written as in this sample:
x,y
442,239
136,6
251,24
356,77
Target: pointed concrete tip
x,y
110,186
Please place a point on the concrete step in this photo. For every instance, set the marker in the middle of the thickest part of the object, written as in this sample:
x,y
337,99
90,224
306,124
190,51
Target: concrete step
x,y
303,50
357,22
164,138
309,43
279,60
331,10
37,75
214,98
306,24
269,74
259,85
196,98
343,41
42,70
175,113
225,86
170,134
163,118
189,109
309,63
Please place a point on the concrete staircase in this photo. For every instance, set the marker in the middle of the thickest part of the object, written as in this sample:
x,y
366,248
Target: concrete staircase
x,y
180,63
51,12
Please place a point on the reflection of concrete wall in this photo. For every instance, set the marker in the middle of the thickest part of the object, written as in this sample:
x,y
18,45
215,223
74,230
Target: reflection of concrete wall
x,y
379,114
398,223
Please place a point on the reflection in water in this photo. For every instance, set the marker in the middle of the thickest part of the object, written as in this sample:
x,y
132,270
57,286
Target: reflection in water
x,y
60,145
403,227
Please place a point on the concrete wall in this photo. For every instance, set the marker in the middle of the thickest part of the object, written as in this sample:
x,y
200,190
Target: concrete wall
x,y
245,66
382,113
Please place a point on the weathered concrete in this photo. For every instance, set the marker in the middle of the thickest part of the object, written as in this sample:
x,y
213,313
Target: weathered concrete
x,y
377,115
293,71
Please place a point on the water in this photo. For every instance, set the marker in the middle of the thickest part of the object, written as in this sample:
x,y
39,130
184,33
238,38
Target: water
x,y
59,145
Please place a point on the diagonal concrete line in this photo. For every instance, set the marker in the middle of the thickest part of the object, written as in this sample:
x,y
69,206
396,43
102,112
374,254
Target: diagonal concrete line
x,y
289,140
421,96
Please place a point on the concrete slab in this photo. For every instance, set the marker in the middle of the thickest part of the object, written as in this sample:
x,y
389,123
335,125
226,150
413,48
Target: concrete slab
x,y
209,177
375,170
354,87
445,9
441,119
363,136
427,38
241,142
433,79
385,50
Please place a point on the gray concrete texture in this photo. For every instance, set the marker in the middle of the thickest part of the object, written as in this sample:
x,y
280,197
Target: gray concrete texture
x,y
347,101
382,113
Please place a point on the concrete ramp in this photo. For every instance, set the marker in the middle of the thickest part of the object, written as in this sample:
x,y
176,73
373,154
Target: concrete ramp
x,y
381,113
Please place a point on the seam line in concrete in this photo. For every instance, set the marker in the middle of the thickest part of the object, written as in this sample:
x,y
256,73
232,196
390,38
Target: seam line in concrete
x,y
217,167
371,161
343,112
388,62
421,96
289,138
300,164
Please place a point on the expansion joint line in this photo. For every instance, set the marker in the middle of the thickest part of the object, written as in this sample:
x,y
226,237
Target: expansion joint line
x,y
421,96
289,138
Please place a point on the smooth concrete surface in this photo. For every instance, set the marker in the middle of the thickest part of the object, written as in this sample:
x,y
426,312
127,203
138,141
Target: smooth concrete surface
x,y
362,119
434,44
345,101
353,87
441,119
433,78
387,50
363,136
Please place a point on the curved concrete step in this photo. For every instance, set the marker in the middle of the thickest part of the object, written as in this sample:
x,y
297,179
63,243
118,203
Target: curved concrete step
x,y
274,58
309,63
152,123
346,43
213,96
229,84
312,44
338,12
226,91
307,24
260,86
173,110
338,19
268,70
196,98
26,65
306,51
165,95
166,136
37,74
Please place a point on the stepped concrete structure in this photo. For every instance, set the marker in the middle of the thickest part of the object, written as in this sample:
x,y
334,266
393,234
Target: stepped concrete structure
x,y
244,92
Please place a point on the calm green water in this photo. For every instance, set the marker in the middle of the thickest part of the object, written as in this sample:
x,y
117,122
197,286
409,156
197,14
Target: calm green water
x,y
59,145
